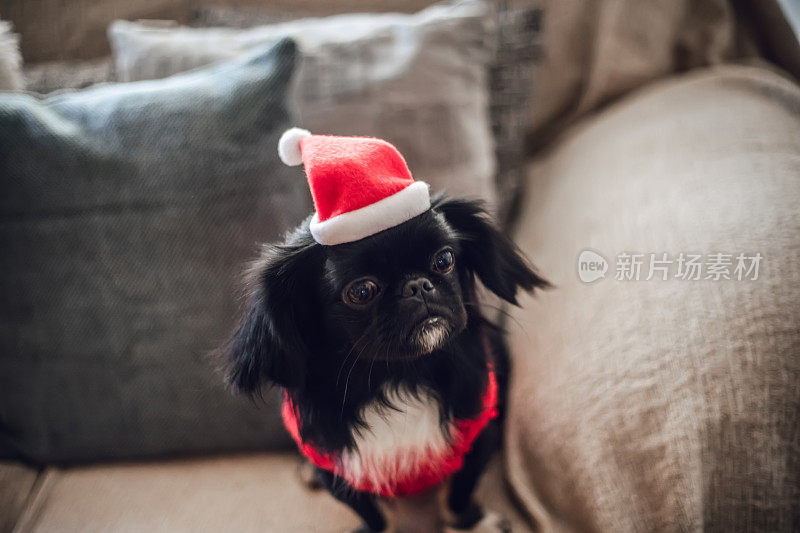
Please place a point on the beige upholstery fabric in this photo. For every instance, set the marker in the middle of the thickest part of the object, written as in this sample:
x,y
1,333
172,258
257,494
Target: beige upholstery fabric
x,y
595,51
52,31
251,493
664,405
16,484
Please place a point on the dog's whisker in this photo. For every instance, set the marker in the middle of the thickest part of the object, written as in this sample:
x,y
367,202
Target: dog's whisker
x,y
346,358
501,311
347,381
369,376
352,348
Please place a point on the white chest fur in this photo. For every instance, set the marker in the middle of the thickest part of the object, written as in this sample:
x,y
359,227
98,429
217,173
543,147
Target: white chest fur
x,y
398,442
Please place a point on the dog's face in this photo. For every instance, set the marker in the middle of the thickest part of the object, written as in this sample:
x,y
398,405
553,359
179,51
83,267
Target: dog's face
x,y
402,294
398,294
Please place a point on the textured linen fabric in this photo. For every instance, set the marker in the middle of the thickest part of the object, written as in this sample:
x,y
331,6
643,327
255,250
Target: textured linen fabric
x,y
595,51
418,81
50,32
127,213
664,405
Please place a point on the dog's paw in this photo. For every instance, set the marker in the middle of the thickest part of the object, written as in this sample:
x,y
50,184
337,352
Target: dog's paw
x,y
490,523
307,475
494,523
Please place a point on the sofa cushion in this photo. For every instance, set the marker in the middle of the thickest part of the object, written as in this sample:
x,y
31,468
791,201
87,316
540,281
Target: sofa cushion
x,y
245,493
127,213
664,405
262,492
17,488
419,81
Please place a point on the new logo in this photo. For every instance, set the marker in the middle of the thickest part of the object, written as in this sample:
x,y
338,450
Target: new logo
x,y
591,266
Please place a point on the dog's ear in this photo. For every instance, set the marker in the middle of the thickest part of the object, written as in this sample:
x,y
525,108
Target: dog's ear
x,y
488,253
269,346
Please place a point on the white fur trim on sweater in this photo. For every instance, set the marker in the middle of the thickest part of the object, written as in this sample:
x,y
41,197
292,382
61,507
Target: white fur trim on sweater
x,y
289,146
398,441
371,219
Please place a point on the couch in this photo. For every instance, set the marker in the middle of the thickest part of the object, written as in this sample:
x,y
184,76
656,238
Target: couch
x,y
635,404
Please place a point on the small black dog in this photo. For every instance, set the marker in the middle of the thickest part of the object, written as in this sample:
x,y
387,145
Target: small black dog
x,y
381,352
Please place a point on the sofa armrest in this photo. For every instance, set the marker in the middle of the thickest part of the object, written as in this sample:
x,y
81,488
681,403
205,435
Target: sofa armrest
x,y
664,404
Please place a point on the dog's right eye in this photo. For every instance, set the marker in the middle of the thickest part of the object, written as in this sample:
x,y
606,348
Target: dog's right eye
x,y
360,292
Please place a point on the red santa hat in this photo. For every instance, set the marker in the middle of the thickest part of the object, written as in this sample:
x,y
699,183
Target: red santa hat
x,y
360,185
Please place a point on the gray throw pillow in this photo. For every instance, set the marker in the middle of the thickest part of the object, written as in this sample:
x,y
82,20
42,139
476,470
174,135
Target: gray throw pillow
x,y
511,76
126,214
418,81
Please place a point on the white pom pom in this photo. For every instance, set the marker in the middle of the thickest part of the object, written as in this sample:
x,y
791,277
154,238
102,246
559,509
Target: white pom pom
x,y
289,146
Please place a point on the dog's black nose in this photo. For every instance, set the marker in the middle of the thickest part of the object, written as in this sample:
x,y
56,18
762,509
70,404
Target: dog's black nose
x,y
416,287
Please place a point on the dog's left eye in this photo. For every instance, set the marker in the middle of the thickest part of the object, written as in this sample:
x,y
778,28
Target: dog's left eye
x,y
444,260
360,292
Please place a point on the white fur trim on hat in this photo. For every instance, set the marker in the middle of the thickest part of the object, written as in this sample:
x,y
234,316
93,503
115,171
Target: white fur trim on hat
x,y
386,213
289,146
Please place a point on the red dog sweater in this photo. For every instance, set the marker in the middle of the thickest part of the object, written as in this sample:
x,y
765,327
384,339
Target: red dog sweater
x,y
403,452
